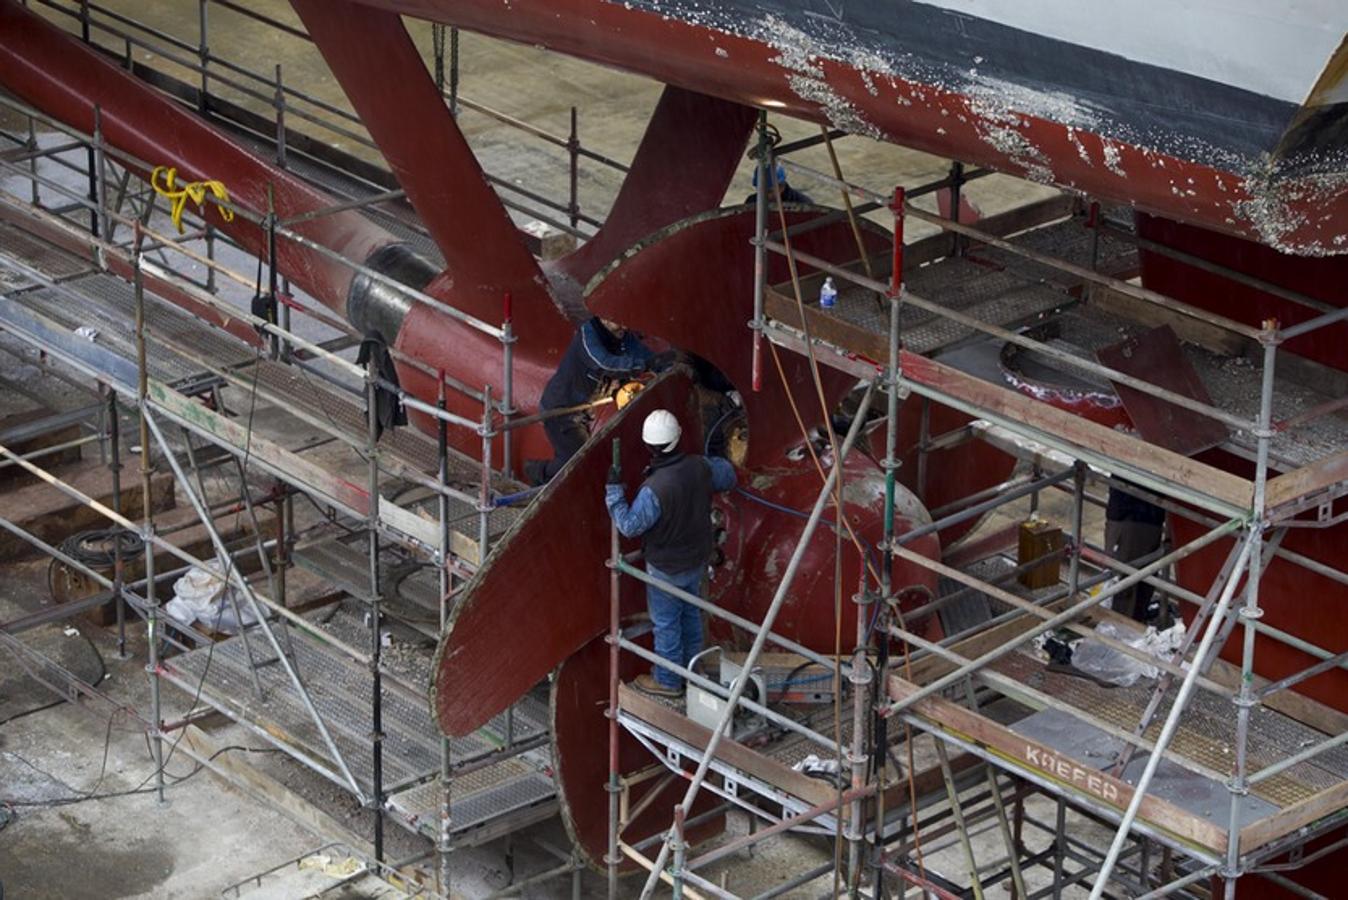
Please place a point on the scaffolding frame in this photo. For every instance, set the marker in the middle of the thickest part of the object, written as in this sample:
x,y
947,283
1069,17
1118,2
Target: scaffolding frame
x,y
1272,502
1255,511
128,384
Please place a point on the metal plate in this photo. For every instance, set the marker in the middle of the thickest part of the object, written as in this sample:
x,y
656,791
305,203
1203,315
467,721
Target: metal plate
x,y
1090,746
1157,357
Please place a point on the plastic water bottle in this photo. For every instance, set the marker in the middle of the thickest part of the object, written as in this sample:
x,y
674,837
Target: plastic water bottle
x,y
828,294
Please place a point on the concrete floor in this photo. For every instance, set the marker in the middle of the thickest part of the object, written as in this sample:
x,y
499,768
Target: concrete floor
x,y
209,836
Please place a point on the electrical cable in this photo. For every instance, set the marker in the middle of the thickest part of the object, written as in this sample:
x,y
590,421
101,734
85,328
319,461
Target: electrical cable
x,y
95,548
814,370
229,570
91,795
102,672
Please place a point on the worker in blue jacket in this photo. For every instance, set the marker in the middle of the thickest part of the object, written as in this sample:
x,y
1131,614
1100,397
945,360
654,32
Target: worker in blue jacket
x,y
672,516
789,194
600,355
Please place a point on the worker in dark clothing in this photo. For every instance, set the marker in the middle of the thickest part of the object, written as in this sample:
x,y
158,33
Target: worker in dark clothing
x,y
599,355
1133,531
672,516
789,194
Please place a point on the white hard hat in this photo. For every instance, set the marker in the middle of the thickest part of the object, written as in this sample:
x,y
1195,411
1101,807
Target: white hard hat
x,y
661,430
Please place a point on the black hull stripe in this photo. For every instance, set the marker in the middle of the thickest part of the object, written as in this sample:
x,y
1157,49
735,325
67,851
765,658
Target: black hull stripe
x,y
1178,114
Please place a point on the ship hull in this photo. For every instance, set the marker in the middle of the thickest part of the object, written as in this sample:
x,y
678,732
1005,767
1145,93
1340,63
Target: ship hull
x,y
1254,148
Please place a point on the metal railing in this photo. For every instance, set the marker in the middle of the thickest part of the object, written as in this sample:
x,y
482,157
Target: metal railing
x,y
278,344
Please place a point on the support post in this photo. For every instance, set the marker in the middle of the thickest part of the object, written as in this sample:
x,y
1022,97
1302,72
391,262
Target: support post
x,y
760,248
147,502
573,164
273,274
444,842
1078,509
484,506
957,180
31,147
760,640
1250,613
879,724
861,679
376,612
1172,722
279,102
210,257
118,563
680,846
203,56
507,386
99,185
454,71
612,858
438,56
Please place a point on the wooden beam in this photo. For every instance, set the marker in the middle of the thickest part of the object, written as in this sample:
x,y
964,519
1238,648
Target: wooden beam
x,y
1076,777
1326,474
1298,815
810,790
1014,407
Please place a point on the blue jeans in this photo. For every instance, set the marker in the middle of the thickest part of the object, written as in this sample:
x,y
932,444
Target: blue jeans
x,y
678,625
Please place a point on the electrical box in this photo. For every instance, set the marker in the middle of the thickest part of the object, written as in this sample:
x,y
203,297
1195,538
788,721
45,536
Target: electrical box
x,y
706,707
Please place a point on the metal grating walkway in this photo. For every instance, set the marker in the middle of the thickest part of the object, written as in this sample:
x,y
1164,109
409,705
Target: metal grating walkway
x,y
1207,730
340,689
994,286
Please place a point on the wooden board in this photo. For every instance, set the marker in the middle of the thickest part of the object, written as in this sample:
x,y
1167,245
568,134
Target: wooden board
x,y
1312,809
1157,357
812,791
1077,777
1326,475
1012,407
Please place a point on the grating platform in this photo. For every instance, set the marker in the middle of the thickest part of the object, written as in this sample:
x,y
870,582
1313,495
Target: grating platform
x,y
483,804
1207,729
1233,382
180,348
411,593
340,689
47,258
107,304
994,286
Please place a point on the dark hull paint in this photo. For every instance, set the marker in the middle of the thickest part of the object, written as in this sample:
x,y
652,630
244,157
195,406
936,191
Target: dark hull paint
x,y
1168,111
1181,147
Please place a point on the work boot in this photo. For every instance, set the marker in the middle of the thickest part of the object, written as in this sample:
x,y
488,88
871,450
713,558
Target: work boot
x,y
535,472
647,684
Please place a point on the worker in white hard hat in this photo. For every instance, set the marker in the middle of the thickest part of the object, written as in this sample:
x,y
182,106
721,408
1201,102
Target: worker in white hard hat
x,y
672,516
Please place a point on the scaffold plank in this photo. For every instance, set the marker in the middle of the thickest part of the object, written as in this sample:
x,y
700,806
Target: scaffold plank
x,y
811,790
1321,480
1233,492
1329,801
1071,775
